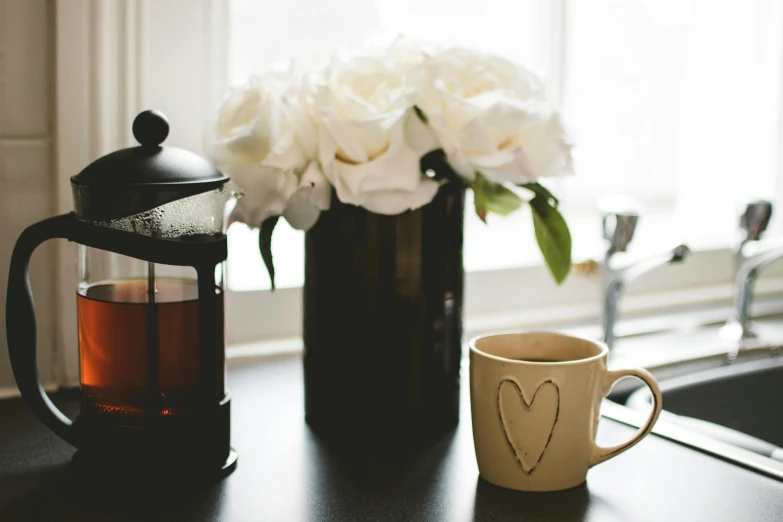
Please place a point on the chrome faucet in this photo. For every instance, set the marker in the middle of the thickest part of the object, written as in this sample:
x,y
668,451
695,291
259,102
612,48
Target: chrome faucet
x,y
619,225
752,254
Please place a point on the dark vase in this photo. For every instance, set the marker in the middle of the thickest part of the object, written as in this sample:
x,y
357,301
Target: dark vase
x,y
383,321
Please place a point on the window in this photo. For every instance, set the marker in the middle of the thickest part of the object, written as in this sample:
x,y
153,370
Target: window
x,y
673,102
678,104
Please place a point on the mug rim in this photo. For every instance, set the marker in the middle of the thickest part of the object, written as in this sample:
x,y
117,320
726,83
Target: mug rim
x,y
604,349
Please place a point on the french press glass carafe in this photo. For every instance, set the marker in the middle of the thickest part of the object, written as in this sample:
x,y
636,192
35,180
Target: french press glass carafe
x,y
149,224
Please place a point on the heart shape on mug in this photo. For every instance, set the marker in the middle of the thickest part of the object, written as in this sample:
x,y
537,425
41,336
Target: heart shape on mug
x,y
529,429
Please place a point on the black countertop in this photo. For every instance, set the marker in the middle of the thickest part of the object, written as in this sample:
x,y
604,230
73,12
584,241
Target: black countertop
x,y
286,473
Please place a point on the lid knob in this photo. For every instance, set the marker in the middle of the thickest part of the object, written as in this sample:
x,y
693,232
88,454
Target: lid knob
x,y
150,128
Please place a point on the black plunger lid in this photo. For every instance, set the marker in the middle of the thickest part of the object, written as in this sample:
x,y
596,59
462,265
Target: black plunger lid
x,y
137,179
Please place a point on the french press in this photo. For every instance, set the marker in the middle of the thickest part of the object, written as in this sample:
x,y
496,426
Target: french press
x,y
149,223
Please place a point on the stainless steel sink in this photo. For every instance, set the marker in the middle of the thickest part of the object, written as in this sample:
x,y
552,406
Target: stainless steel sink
x,y
745,397
732,411
721,397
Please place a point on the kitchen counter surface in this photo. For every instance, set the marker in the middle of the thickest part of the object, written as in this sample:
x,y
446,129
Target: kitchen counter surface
x,y
286,473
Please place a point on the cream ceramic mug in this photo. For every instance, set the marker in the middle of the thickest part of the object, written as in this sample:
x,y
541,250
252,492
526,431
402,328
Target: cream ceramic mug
x,y
535,401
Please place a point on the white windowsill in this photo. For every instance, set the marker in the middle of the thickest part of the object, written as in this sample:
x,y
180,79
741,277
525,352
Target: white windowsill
x,y
523,297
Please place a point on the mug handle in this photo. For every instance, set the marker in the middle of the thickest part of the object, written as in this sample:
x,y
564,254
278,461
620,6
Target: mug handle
x,y
600,453
20,324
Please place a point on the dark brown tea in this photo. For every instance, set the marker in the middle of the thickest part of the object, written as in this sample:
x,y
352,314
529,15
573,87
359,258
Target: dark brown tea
x,y
117,346
531,359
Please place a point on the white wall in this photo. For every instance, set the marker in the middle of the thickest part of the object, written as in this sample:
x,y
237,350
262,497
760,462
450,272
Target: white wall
x,y
26,148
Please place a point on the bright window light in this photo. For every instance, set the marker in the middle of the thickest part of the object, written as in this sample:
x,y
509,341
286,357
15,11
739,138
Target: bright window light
x,y
675,103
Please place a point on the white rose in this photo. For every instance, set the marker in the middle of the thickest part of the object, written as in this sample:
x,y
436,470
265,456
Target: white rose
x,y
266,141
491,116
370,140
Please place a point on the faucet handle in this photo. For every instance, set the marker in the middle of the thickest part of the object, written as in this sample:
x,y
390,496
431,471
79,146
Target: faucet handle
x,y
755,219
620,217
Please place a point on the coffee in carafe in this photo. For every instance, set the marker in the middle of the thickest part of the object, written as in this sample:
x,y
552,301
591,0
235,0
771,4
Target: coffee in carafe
x,y
121,326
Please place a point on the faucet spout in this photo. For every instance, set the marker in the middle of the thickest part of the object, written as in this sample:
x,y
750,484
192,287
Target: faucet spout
x,y
616,274
752,256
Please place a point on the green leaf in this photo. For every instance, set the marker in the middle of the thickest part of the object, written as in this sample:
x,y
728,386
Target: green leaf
x,y
553,237
493,197
265,245
542,191
481,211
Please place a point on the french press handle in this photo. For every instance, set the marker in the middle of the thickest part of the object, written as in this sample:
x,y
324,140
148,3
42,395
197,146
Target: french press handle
x,y
20,324
202,255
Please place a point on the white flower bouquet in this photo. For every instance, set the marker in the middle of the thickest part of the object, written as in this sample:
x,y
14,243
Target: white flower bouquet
x,y
384,129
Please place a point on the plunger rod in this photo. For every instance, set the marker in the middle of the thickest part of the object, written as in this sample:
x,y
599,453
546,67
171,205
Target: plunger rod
x,y
152,340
